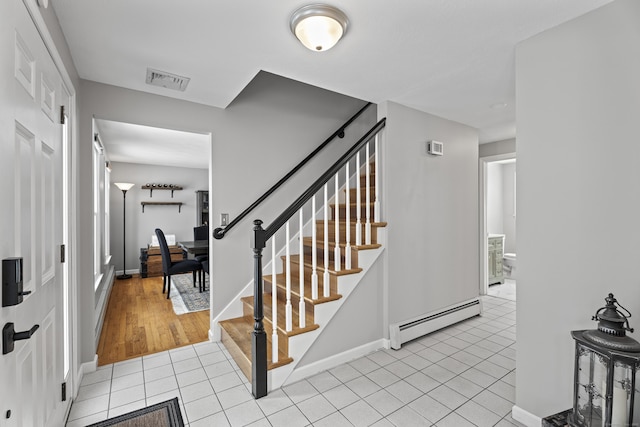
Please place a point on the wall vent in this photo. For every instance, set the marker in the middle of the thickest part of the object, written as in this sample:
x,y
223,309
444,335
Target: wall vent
x,y
435,147
166,80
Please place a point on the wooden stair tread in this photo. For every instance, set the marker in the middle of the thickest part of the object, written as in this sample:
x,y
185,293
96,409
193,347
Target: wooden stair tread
x,y
295,290
332,244
342,222
240,330
320,268
237,332
296,330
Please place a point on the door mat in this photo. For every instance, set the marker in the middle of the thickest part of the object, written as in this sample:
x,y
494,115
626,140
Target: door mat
x,y
164,414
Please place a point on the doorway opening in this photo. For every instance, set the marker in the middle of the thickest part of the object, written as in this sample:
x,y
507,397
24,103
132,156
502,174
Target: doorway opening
x,y
498,226
169,170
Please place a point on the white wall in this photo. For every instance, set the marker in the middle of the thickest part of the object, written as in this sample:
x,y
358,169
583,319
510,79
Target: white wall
x,y
578,103
431,205
141,226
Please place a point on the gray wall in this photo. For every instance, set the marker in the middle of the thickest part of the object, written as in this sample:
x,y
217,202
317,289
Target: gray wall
x,y
500,202
508,206
359,321
432,210
270,127
495,199
578,154
499,147
141,226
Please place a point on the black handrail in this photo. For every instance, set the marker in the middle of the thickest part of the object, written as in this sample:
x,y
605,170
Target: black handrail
x,y
220,232
316,186
259,239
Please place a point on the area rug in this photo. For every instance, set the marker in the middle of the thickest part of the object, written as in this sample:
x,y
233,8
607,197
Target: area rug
x,y
187,298
164,414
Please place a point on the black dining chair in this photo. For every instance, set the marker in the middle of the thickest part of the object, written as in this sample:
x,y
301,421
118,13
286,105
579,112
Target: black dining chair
x,y
201,233
205,269
170,267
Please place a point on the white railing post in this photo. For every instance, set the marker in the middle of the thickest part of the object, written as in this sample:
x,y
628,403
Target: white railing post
x,y
325,277
347,247
376,203
301,306
358,202
367,203
274,303
336,225
288,314
314,251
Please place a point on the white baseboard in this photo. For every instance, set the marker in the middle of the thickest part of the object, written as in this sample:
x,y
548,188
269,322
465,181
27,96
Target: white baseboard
x,y
85,368
524,417
335,360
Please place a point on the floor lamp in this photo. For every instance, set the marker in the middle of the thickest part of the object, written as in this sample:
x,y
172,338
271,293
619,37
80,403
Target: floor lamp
x,y
124,186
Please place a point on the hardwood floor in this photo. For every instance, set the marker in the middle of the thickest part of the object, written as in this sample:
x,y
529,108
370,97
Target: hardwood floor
x,y
140,321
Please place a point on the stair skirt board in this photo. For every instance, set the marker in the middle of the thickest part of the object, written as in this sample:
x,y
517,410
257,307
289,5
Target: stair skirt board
x,y
299,344
331,362
400,333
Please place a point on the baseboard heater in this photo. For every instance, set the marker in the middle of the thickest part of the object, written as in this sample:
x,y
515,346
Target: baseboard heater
x,y
406,331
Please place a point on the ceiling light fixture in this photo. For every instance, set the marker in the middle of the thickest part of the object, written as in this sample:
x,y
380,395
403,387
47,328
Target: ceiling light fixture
x,y
319,26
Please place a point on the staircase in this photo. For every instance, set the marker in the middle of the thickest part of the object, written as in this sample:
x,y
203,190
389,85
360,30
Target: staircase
x,y
348,222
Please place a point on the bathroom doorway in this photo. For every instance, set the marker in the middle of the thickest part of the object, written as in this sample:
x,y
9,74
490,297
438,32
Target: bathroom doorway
x,y
498,226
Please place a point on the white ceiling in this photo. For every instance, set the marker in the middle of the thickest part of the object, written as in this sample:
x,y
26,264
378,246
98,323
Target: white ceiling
x,y
130,143
451,58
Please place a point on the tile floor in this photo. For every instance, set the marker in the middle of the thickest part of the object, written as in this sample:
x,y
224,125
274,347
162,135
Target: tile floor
x,y
460,376
507,290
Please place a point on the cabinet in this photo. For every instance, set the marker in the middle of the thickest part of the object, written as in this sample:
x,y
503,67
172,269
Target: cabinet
x,y
496,249
202,207
151,259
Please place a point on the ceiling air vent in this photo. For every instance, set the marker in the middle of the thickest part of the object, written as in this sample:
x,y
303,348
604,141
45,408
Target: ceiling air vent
x,y
168,80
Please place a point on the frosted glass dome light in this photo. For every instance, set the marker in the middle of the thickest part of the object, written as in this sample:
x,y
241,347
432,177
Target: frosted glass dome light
x,y
319,27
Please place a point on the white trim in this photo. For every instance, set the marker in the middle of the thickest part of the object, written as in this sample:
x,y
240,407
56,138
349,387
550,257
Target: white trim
x,y
524,417
85,368
101,307
336,360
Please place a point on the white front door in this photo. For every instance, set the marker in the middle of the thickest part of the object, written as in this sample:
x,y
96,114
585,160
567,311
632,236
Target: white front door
x,y
31,221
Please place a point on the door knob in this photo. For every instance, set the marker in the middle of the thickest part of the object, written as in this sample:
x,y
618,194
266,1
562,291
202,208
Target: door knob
x,y
9,336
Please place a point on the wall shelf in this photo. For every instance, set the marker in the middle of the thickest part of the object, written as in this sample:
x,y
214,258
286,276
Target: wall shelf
x,y
179,204
152,187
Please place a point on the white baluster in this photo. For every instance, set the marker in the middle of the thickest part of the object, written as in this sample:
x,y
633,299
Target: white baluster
x,y
347,248
358,202
314,251
376,203
336,226
274,303
367,203
325,276
301,307
288,315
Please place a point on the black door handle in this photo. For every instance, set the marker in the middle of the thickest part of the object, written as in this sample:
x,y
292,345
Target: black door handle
x,y
9,336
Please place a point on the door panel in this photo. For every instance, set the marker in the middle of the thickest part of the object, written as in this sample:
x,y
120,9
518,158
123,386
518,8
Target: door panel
x,y
31,219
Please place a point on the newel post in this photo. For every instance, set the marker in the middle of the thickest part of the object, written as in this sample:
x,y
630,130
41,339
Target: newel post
x,y
258,337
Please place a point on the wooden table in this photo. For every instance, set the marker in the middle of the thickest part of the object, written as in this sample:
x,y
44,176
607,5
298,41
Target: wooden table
x,y
195,247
